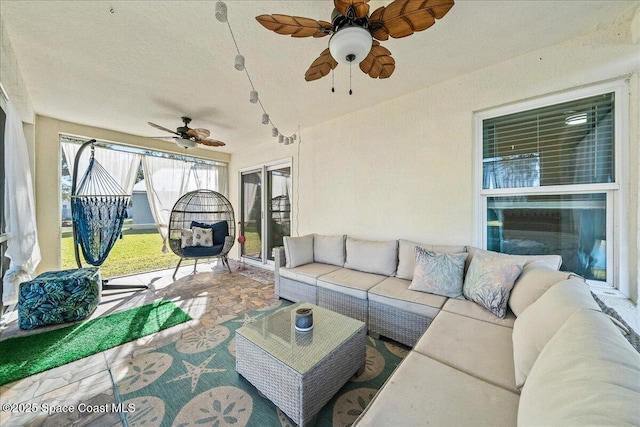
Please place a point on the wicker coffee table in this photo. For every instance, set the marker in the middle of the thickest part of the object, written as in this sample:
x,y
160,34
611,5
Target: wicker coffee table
x,y
301,371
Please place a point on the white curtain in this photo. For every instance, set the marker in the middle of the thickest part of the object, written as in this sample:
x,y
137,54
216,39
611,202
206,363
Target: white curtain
x,y
19,210
211,177
166,180
122,166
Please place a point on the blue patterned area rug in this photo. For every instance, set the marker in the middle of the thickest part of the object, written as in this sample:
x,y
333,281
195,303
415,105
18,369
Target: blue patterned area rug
x,y
194,382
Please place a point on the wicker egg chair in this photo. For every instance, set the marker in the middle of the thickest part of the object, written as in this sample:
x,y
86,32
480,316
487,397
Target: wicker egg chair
x,y
204,209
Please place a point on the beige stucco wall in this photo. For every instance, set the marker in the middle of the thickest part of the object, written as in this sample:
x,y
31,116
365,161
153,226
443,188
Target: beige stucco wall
x,y
404,168
48,213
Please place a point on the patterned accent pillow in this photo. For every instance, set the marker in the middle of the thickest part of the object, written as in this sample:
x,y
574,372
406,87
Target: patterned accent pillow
x,y
490,280
202,237
438,273
187,237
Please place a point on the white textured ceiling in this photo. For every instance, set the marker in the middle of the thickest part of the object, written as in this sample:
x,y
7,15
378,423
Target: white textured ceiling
x,y
119,64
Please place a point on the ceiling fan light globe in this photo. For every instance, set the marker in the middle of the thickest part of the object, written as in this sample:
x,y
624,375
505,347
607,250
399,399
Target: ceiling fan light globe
x,y
185,143
350,45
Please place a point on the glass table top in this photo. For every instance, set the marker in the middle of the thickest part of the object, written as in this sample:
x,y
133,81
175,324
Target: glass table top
x,y
277,335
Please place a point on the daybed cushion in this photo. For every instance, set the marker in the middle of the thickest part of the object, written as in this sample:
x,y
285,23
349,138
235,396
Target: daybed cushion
x,y
470,309
372,256
350,282
530,261
307,273
395,292
298,250
483,350
424,391
489,281
219,229
329,249
541,320
588,374
438,273
407,255
531,285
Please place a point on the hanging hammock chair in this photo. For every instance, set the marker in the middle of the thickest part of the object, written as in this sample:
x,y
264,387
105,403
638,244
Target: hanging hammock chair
x,y
98,209
202,226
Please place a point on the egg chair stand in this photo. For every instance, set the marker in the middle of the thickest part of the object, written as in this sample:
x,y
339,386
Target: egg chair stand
x,y
98,207
197,216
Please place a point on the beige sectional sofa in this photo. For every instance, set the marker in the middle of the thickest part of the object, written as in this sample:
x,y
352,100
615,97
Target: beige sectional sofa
x,y
554,359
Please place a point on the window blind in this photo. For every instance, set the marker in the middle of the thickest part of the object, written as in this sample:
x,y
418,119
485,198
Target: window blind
x,y
563,144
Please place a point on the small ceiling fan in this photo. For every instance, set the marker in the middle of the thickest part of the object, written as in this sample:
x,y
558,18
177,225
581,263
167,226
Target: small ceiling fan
x,y
352,32
188,138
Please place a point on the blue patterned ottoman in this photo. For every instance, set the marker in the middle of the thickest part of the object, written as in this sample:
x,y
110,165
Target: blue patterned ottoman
x,y
58,297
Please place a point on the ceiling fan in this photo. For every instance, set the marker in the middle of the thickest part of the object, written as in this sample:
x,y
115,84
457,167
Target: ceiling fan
x,y
188,138
352,32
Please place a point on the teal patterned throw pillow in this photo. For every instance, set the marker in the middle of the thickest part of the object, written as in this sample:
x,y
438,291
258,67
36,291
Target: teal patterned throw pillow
x,y
438,273
490,280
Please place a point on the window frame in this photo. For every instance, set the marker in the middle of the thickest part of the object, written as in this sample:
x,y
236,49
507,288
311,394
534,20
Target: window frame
x,y
617,192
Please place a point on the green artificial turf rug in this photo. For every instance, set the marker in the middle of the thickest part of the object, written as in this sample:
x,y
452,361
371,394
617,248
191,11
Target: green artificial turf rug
x,y
21,357
193,381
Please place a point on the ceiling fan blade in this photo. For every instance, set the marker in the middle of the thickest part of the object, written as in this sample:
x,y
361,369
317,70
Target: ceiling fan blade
x,y
199,133
295,25
402,18
378,64
321,66
211,142
163,128
361,7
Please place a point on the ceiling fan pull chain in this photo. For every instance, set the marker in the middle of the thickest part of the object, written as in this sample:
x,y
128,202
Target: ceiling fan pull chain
x,y
333,82
350,91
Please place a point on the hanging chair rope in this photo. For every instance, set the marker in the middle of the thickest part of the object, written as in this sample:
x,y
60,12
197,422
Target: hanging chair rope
x,y
99,208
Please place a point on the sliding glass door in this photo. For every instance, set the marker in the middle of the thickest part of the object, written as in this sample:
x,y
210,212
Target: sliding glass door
x,y
265,214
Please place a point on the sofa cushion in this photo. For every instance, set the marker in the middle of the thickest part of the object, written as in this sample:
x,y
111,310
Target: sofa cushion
x,y
307,273
424,391
530,261
350,282
372,256
407,255
532,283
219,229
438,273
588,374
395,292
470,309
202,237
298,250
329,249
489,281
481,349
541,320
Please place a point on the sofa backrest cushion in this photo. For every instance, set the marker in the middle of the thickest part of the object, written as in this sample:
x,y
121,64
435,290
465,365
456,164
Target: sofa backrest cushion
x,y
372,256
537,324
407,255
530,261
532,283
298,250
329,249
588,374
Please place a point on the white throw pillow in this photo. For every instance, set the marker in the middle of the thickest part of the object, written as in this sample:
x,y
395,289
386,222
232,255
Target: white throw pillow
x,y
372,256
298,250
489,281
537,324
202,237
329,249
407,255
587,375
438,273
186,235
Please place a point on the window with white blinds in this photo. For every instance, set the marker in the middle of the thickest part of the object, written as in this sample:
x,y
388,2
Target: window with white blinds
x,y
548,181
564,144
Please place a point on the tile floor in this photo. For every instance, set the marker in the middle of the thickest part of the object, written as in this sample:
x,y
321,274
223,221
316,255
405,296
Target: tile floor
x,y
210,296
